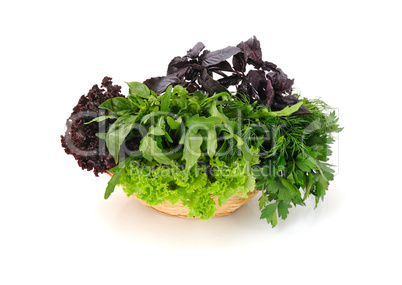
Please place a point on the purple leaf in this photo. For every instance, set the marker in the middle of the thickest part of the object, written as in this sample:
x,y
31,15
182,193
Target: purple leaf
x,y
246,88
268,66
239,62
257,80
280,81
262,85
281,102
178,66
252,51
302,111
159,84
222,66
195,51
270,93
209,84
217,56
230,80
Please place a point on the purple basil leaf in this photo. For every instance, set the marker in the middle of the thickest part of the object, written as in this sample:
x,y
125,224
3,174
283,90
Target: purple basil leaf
x,y
280,81
270,93
178,66
230,80
209,84
302,111
262,85
289,100
222,66
281,102
191,86
195,51
239,62
217,56
268,66
252,51
246,88
257,80
159,84
204,54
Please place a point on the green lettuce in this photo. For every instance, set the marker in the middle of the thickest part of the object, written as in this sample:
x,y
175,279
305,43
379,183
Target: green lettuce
x,y
155,183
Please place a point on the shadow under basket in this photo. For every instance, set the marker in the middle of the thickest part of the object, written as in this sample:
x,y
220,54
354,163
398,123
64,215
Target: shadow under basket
x,y
180,211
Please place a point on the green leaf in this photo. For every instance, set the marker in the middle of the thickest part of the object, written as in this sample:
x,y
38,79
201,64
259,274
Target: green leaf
x,y
283,210
157,131
273,186
119,106
286,191
263,200
192,148
180,90
321,186
101,118
139,89
101,135
118,170
269,213
165,99
268,210
173,124
287,111
309,185
151,150
117,133
197,123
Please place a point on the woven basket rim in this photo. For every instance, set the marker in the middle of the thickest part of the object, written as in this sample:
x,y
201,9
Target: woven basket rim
x,y
178,210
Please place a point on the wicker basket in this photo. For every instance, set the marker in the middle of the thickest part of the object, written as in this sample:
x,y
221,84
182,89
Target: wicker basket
x,y
180,211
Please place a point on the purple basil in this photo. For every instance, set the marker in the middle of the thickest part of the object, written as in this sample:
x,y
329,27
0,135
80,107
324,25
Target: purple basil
x,y
264,83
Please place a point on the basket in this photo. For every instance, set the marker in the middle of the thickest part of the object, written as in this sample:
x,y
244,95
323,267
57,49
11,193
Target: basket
x,y
180,211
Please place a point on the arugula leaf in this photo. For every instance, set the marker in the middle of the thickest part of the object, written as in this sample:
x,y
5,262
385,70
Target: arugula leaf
x,y
117,133
117,172
165,99
197,123
101,118
287,111
192,148
151,151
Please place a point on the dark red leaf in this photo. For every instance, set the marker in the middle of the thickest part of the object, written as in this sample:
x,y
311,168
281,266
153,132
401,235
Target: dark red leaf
x,y
230,80
209,84
280,81
159,84
252,51
217,56
239,62
195,51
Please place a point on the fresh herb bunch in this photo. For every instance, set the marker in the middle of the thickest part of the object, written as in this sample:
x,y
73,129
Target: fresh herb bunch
x,y
294,152
193,138
282,155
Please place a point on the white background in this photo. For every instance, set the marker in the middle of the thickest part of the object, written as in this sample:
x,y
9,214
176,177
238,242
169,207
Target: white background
x,y
57,229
